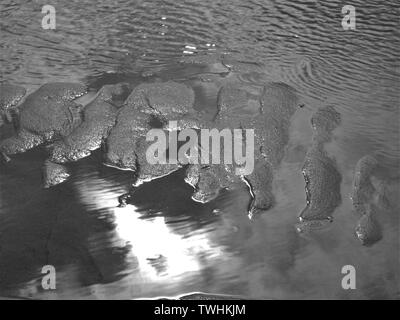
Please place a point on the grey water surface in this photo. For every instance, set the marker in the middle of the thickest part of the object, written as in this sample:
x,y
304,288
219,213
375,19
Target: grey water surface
x,y
164,243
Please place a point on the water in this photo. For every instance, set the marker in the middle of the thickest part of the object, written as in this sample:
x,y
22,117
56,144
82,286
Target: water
x,y
165,244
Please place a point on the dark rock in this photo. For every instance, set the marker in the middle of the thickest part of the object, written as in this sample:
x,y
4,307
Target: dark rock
x,y
319,170
363,190
54,174
98,119
268,112
10,95
266,109
368,230
148,106
46,115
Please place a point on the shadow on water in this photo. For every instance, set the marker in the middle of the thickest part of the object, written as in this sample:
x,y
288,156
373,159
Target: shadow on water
x,y
172,200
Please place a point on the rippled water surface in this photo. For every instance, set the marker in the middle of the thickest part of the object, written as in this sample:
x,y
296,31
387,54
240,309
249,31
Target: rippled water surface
x,y
165,244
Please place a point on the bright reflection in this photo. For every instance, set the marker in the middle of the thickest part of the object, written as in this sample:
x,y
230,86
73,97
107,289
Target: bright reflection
x,y
152,239
159,253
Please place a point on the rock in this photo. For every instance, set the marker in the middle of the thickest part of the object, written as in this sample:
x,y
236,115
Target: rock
x,y
307,226
164,99
49,115
99,117
46,115
368,230
319,170
150,105
324,121
266,109
10,95
268,112
54,174
209,180
363,190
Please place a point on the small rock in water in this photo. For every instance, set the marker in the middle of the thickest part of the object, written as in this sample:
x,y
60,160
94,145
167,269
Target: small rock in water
x,y
54,174
306,226
368,230
363,189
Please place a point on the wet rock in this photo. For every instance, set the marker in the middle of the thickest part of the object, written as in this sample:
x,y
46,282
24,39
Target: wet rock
x,y
99,117
164,99
308,226
323,122
322,186
267,109
209,180
54,174
46,115
278,104
10,95
150,105
260,184
363,190
235,102
368,230
51,115
268,112
319,170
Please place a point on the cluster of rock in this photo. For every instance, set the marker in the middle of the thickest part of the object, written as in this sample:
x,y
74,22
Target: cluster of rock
x,y
119,116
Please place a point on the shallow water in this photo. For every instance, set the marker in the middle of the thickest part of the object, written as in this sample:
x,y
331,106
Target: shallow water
x,y
165,244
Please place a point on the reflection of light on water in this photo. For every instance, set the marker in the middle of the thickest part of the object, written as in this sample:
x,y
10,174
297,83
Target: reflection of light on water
x,y
152,242
151,238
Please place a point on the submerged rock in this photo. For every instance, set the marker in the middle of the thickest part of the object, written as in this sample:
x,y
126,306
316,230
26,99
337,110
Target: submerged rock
x,y
368,230
307,226
46,115
10,95
324,121
363,190
319,170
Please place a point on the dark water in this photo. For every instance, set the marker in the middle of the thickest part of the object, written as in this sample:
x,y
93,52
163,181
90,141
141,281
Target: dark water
x,y
165,244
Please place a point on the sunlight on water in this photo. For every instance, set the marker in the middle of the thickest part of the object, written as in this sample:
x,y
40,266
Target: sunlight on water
x,y
151,239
